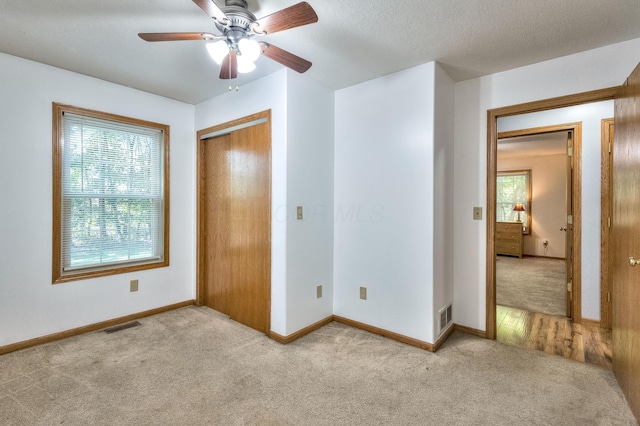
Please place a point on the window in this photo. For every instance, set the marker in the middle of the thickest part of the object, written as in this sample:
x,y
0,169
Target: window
x,y
514,187
110,194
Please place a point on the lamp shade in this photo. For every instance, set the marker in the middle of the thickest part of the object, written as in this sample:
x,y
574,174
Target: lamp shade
x,y
519,207
245,65
218,50
249,49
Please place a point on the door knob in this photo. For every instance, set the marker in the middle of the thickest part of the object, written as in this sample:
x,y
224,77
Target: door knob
x,y
634,262
563,228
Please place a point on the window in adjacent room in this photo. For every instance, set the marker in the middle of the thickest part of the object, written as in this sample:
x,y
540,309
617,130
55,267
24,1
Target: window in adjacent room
x,y
514,187
110,194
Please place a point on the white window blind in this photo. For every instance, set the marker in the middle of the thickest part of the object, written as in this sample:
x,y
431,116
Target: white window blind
x,y
112,193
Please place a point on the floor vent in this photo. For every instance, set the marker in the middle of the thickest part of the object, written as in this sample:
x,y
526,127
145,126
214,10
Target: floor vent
x,y
121,327
446,315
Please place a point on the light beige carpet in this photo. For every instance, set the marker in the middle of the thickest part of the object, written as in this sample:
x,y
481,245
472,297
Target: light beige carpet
x,y
535,284
193,366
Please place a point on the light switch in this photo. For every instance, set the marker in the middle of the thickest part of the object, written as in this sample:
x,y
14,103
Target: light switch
x,y
477,213
299,212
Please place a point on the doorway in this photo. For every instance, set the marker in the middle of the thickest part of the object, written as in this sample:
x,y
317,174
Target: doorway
x,y
492,138
535,179
234,220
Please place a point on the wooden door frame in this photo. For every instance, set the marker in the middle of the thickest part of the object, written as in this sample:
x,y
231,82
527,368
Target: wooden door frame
x,y
200,253
606,213
492,160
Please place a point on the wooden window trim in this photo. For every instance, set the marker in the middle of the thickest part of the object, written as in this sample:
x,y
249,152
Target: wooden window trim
x,y
57,276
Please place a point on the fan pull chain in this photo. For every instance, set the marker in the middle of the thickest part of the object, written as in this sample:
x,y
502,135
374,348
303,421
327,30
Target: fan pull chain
x,y
230,87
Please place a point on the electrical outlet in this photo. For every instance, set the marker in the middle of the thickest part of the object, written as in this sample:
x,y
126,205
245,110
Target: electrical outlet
x,y
363,293
133,285
299,212
319,291
477,213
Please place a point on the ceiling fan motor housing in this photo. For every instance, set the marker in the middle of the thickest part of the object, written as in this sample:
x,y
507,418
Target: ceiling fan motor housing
x,y
241,20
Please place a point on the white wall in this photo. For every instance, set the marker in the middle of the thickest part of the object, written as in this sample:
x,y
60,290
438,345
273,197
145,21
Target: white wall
x,y
310,130
591,116
548,201
383,186
595,69
30,306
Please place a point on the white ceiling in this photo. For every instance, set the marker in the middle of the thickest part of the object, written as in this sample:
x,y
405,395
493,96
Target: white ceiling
x,y
533,146
354,41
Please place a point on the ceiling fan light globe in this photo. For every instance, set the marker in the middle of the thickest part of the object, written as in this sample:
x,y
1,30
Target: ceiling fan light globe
x,y
249,49
245,65
218,50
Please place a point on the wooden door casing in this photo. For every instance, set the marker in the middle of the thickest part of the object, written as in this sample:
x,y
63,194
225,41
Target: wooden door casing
x,y
568,238
626,241
606,218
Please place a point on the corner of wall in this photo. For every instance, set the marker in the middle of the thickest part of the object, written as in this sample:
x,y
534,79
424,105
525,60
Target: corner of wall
x,y
310,156
444,98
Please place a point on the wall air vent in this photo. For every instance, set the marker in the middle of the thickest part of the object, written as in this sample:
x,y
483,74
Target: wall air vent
x,y
121,327
446,315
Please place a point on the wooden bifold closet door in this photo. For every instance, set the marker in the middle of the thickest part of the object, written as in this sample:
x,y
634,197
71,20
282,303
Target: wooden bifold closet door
x,y
235,224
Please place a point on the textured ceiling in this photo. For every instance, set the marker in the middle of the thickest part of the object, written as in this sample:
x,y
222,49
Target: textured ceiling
x,y
354,41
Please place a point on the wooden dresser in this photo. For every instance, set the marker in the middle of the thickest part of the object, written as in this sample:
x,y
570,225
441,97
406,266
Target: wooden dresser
x,y
509,238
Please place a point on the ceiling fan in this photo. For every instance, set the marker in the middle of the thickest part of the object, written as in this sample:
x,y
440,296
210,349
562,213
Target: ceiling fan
x,y
235,49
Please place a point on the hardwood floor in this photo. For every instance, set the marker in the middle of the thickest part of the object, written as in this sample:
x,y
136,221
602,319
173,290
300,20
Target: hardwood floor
x,y
554,335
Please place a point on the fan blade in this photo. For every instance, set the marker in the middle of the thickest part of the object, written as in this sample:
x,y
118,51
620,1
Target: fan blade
x,y
290,17
212,9
175,36
287,59
229,67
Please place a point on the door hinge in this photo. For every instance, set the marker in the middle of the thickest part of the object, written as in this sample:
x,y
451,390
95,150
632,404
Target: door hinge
x,y
608,297
570,219
609,147
569,286
570,152
609,222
